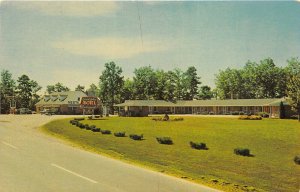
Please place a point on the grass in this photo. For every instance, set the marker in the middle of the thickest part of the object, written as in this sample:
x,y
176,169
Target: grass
x,y
273,142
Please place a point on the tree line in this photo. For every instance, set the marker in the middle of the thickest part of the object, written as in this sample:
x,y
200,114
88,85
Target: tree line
x,y
254,80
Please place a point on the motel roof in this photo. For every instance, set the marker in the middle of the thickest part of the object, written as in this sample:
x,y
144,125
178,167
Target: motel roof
x,y
206,103
61,98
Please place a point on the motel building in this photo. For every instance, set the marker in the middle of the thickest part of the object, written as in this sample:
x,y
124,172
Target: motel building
x,y
68,103
205,107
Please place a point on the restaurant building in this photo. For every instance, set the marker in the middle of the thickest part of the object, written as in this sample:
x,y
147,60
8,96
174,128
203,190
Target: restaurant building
x,y
64,103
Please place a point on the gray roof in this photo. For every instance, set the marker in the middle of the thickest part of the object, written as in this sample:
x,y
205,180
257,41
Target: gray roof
x,y
60,98
207,103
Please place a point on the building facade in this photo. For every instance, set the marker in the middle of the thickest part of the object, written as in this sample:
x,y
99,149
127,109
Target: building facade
x,y
213,107
63,103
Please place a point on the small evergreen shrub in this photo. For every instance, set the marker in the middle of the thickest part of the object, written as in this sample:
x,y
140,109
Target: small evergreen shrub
x,y
251,117
136,137
235,113
297,159
95,129
92,126
156,118
178,119
105,132
242,151
198,145
82,126
164,140
79,119
119,134
87,127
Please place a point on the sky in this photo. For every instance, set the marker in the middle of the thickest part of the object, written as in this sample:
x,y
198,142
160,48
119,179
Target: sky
x,y
69,42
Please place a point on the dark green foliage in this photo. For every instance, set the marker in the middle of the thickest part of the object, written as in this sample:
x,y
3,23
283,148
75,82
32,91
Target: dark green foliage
x,y
92,126
166,117
87,127
106,132
136,137
263,114
282,111
119,134
242,151
178,119
198,145
81,125
164,140
95,129
297,159
250,117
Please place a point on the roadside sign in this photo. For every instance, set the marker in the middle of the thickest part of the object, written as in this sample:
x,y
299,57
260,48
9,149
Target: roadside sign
x,y
88,102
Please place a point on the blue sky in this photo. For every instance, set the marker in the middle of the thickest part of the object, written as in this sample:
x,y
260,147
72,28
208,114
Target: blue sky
x,y
69,42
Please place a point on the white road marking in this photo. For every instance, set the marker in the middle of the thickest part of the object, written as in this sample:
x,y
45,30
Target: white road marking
x,y
76,174
10,145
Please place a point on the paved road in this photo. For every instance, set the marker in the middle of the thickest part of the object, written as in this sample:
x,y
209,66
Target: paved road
x,y
33,162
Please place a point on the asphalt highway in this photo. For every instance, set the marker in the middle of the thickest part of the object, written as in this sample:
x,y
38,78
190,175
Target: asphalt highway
x,y
31,161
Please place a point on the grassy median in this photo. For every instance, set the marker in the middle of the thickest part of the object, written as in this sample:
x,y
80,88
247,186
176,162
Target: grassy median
x,y
272,142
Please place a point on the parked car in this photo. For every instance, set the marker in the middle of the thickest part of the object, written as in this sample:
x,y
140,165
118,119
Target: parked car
x,y
47,112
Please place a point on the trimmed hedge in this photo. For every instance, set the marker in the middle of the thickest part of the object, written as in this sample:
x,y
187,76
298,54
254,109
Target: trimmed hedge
x,y
164,140
242,151
119,134
96,129
105,132
198,145
81,126
251,117
87,127
297,159
136,137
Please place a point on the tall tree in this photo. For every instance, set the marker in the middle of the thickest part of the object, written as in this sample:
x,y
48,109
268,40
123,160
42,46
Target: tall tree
x,y
229,84
293,84
35,96
111,84
93,90
7,87
205,93
27,90
79,88
58,87
128,90
160,92
170,86
191,82
178,77
145,82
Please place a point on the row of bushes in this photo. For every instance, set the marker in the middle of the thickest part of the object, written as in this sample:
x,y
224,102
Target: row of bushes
x,y
161,140
165,119
251,117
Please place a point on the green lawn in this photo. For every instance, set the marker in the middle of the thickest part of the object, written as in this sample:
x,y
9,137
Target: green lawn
x,y
273,142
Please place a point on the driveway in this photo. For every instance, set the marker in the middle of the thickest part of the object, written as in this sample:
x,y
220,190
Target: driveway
x,y
31,161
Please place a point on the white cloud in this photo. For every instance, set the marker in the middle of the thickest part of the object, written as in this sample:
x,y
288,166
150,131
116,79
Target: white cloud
x,y
110,47
70,8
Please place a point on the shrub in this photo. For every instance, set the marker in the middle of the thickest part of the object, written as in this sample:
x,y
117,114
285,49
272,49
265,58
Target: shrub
x,y
94,129
87,127
79,119
242,151
241,113
136,137
263,114
166,117
178,119
92,126
164,140
106,132
235,113
119,134
198,145
73,122
82,126
157,119
251,117
297,159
